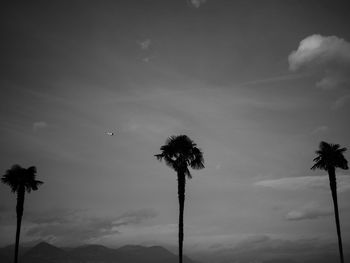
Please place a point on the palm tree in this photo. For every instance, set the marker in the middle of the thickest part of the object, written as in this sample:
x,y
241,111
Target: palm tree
x,y
179,153
20,180
329,157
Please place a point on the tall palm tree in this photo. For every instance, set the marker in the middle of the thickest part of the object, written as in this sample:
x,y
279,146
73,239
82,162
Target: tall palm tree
x,y
179,153
329,157
20,180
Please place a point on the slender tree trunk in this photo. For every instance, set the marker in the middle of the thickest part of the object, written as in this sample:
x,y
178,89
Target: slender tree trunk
x,y
19,212
181,194
333,185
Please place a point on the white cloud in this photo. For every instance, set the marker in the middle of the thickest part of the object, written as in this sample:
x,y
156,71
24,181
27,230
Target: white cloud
x,y
148,59
319,49
135,217
39,125
329,55
309,211
306,182
341,102
320,129
196,3
145,44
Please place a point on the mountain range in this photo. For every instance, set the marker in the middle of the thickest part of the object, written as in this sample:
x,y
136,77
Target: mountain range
x,y
47,253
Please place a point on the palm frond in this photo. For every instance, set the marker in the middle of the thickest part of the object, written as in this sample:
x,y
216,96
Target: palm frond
x,y
17,177
198,159
170,162
330,156
179,152
7,181
33,185
159,156
188,173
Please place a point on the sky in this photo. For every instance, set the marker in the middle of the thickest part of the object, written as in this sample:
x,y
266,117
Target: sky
x,y
255,84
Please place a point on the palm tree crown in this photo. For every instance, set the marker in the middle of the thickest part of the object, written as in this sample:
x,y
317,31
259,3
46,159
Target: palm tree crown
x,y
330,156
17,177
20,180
179,152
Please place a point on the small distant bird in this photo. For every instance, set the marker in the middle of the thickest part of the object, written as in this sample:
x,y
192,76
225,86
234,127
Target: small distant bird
x,y
110,133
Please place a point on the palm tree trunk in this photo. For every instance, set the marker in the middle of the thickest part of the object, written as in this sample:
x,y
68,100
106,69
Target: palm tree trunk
x,y
19,211
181,194
333,186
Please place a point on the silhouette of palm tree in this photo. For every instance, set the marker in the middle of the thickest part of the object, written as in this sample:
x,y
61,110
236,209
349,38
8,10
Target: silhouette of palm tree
x,y
179,153
329,157
20,180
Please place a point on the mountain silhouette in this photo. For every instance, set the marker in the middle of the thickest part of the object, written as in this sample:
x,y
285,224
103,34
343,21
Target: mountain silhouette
x,y
46,253
130,248
92,253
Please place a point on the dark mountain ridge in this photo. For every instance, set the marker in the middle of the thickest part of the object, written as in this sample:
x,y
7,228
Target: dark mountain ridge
x,y
47,253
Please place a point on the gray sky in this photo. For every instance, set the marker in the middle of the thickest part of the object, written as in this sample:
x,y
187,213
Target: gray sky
x,y
256,84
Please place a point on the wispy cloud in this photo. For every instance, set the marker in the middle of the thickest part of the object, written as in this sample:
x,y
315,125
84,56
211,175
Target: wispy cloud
x,y
329,55
145,44
196,3
306,182
341,102
309,211
320,129
76,227
135,217
273,79
148,59
39,125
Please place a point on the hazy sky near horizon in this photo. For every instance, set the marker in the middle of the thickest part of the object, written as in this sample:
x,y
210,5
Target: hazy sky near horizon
x,y
256,84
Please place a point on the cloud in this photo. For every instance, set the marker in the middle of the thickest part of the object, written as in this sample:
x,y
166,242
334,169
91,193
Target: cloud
x,y
272,79
306,182
76,227
135,217
329,55
341,102
148,59
309,211
196,3
268,248
39,125
145,44
320,129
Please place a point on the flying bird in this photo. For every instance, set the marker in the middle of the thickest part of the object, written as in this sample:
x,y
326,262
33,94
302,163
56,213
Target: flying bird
x,y
110,133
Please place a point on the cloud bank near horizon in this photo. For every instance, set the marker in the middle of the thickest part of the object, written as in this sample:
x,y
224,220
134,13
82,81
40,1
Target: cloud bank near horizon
x,y
77,227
